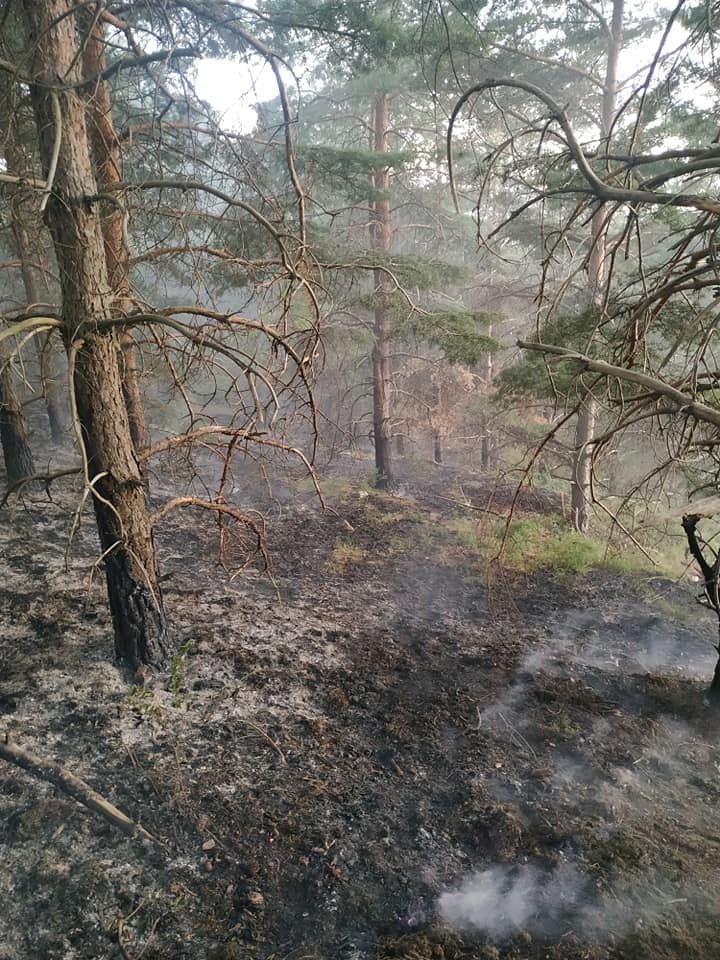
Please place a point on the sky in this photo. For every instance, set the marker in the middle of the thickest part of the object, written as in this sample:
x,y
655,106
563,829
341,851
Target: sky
x,y
233,88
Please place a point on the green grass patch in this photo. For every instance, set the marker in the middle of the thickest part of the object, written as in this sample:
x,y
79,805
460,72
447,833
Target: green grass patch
x,y
545,542
344,553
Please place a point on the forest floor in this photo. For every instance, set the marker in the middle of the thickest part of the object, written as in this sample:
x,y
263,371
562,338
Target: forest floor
x,y
408,753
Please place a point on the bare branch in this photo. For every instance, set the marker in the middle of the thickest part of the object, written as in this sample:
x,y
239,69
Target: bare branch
x,y
600,189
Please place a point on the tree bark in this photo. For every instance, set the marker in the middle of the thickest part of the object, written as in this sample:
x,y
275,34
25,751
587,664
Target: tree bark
x,y
107,165
13,428
381,236
87,299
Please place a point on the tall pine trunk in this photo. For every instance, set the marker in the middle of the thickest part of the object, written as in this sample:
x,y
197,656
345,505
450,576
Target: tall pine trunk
x,y
107,165
581,494
381,236
87,301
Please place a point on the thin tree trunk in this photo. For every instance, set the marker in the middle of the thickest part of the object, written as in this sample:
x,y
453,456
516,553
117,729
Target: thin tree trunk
x,y
582,467
714,690
21,214
436,420
33,282
487,445
581,494
88,300
437,446
381,234
107,165
17,454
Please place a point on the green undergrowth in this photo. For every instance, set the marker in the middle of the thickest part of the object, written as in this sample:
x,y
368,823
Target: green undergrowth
x,y
387,526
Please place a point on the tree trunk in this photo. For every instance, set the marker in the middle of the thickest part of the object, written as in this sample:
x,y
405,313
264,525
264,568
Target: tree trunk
x,y
29,254
582,467
52,392
714,691
13,428
33,283
437,446
107,165
88,300
436,420
381,235
581,495
487,441
487,446
120,508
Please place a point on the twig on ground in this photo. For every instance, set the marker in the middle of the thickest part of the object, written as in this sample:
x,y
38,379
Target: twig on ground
x,y
259,730
73,786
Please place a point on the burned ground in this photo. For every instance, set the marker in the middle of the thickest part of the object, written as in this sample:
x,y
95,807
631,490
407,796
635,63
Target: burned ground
x,y
407,754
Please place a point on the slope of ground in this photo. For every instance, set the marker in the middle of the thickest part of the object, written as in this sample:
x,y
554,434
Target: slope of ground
x,y
396,757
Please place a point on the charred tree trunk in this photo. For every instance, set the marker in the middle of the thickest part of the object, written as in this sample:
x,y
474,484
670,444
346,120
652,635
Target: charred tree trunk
x,y
88,304
711,587
107,165
120,507
13,428
714,689
381,235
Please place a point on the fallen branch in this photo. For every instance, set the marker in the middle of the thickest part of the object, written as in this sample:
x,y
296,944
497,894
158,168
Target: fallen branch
x,y
73,786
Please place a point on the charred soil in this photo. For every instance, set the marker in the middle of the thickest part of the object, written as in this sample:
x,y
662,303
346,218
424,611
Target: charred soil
x,y
404,753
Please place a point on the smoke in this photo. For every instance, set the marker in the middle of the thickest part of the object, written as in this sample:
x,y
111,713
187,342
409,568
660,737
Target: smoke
x,y
625,641
504,899
622,773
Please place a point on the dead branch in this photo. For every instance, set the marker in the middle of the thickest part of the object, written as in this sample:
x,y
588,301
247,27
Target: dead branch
x,y
73,786
220,508
45,478
188,438
710,571
599,188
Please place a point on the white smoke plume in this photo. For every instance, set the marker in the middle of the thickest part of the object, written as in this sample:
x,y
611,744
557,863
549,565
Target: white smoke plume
x,y
504,899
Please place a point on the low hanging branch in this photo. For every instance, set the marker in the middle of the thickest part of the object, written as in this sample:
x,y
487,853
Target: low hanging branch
x,y
74,787
593,183
685,402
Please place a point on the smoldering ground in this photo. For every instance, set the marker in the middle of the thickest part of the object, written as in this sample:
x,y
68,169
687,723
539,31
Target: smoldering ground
x,y
330,764
616,870
504,900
